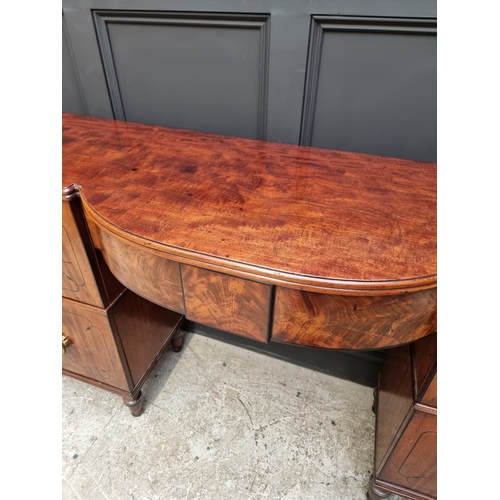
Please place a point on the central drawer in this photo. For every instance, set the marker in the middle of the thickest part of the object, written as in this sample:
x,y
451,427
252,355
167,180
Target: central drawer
x,y
232,304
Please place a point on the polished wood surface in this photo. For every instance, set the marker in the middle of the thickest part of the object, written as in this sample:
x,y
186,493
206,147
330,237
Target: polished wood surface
x,y
352,322
112,337
276,243
86,276
233,304
92,350
412,468
406,426
429,397
116,348
138,269
78,281
312,219
425,363
144,330
394,401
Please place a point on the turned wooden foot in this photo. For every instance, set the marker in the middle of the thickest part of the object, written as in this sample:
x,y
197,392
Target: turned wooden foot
x,y
178,341
374,493
134,405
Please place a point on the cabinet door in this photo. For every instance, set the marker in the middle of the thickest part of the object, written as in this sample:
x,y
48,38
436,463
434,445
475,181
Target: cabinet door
x,y
92,351
413,463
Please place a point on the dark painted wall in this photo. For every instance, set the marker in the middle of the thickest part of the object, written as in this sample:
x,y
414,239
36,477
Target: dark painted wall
x,y
355,75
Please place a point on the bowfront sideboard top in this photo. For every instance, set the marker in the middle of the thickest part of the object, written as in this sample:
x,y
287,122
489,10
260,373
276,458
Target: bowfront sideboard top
x,y
271,241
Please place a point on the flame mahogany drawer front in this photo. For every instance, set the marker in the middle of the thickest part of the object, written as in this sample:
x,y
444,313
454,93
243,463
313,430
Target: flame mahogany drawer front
x,y
138,269
233,304
352,322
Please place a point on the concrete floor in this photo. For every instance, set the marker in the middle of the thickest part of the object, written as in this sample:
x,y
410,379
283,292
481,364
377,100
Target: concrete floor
x,y
220,422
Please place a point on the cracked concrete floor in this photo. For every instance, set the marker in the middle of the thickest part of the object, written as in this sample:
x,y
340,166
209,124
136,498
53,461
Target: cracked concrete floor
x,y
220,422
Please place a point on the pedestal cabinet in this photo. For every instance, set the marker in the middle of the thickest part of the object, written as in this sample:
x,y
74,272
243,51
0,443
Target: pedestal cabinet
x,y
111,337
406,426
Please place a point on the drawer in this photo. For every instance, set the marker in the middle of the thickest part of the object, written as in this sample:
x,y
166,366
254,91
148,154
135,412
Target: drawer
x,y
92,350
352,322
232,304
148,275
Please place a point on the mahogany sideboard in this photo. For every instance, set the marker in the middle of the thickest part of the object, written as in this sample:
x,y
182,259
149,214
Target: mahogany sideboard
x,y
274,242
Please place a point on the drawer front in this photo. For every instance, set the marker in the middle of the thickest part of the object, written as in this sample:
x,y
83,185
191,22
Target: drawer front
x,y
232,304
78,282
352,322
92,350
150,276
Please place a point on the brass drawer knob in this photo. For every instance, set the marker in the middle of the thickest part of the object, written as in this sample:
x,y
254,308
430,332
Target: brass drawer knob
x,y
65,343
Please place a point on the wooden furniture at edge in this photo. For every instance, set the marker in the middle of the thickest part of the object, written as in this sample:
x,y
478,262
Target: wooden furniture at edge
x,y
406,426
277,243
111,337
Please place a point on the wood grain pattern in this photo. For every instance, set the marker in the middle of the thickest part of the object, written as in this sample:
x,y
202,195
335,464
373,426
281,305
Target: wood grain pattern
x,y
352,322
78,282
312,219
115,336
425,363
429,398
228,303
406,429
113,287
145,330
92,352
394,401
116,348
154,277
413,463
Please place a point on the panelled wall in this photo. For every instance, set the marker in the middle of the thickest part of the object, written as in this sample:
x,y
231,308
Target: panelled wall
x,y
354,75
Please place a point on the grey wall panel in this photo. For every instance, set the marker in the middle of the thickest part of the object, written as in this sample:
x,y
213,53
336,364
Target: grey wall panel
x,y
288,29
199,72
72,101
81,35
371,87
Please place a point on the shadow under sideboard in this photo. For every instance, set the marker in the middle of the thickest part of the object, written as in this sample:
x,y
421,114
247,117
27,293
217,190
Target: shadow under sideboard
x,y
361,367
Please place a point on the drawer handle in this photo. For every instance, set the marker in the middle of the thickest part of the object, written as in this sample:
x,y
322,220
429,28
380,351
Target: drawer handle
x,y
65,343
